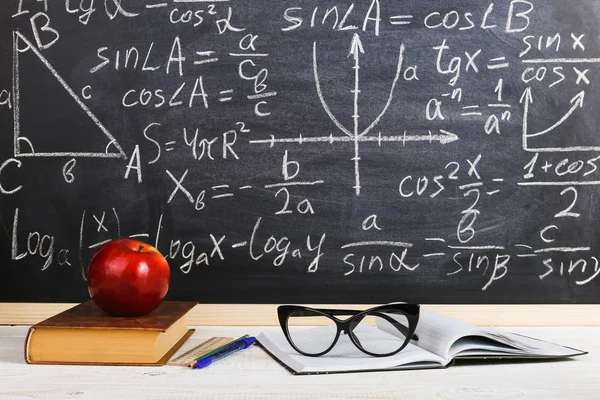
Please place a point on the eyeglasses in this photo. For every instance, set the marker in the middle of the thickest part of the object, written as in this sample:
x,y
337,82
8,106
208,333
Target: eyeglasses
x,y
379,331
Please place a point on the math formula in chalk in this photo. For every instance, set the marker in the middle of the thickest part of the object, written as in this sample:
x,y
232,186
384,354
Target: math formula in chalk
x,y
323,151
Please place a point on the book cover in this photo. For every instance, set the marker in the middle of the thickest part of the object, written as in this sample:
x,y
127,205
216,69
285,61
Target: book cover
x,y
85,335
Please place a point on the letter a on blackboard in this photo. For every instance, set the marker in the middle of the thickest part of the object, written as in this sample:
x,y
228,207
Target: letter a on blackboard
x,y
60,109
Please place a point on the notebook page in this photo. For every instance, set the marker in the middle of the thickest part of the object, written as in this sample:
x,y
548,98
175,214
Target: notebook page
x,y
448,338
436,332
344,356
529,345
480,345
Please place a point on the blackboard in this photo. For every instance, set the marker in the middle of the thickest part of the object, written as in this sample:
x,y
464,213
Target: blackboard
x,y
304,151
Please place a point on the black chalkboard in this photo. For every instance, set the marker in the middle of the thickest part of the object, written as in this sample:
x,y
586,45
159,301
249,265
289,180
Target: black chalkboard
x,y
304,151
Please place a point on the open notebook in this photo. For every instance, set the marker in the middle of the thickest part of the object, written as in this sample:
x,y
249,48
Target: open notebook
x,y
441,340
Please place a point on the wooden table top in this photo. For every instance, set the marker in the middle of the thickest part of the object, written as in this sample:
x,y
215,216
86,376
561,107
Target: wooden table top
x,y
252,374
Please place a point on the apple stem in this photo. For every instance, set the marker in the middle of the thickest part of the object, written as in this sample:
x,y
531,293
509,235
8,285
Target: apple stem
x,y
140,248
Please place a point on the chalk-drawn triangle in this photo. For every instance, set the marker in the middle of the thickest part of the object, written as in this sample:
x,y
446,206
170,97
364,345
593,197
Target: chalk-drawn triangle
x,y
69,123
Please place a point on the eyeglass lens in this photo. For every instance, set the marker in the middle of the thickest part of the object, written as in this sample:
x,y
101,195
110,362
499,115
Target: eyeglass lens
x,y
379,332
311,332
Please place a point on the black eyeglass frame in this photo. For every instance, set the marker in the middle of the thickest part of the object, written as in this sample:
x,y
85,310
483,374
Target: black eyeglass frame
x,y
410,311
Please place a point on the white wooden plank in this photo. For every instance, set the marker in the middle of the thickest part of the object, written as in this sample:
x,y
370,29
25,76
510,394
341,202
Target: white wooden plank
x,y
252,374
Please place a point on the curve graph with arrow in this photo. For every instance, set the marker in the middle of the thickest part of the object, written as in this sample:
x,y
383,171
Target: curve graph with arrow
x,y
527,100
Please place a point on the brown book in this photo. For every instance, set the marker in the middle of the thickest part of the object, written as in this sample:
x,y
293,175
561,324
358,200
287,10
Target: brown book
x,y
86,335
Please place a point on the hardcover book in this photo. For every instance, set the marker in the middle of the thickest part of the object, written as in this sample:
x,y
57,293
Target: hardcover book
x,y
440,341
85,335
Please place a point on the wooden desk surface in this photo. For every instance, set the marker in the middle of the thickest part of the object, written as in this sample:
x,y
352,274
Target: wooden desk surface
x,y
252,374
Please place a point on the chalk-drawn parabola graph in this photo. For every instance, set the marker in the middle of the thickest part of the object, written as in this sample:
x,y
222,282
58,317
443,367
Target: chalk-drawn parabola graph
x,y
356,136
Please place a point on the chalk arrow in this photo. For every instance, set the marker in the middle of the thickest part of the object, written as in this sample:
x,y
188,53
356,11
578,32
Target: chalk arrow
x,y
356,47
576,101
448,137
445,137
526,97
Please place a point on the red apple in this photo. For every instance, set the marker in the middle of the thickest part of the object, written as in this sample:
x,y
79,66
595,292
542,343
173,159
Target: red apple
x,y
128,278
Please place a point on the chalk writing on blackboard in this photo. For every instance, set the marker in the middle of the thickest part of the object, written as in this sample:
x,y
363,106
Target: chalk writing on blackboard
x,y
327,151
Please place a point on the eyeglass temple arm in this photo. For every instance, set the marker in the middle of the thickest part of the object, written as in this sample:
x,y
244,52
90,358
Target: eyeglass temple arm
x,y
397,324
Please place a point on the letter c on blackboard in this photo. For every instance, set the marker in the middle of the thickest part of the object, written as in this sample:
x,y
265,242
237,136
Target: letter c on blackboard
x,y
86,90
4,164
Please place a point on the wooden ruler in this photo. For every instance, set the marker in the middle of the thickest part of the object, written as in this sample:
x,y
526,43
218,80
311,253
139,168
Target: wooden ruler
x,y
203,348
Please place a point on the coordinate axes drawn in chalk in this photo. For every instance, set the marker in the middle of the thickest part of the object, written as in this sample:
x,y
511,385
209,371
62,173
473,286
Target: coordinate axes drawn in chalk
x,y
576,101
112,149
355,135
527,101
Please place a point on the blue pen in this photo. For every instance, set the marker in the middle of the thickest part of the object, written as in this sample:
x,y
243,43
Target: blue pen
x,y
230,349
